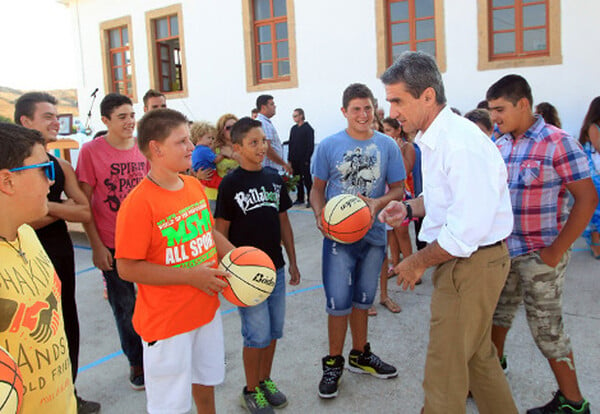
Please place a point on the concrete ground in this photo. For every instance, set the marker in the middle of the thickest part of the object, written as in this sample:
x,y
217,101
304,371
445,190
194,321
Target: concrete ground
x,y
400,339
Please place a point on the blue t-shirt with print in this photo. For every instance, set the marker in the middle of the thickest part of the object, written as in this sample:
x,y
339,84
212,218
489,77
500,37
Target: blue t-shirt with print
x,y
352,166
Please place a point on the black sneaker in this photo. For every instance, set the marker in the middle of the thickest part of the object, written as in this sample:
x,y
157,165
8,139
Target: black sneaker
x,y
560,405
333,367
136,378
504,364
276,398
368,363
255,402
87,407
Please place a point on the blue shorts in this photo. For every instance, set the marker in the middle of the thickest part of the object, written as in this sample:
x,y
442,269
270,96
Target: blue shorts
x,y
350,275
264,322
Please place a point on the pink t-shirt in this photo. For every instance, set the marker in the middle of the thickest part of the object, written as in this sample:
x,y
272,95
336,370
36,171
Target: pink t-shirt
x,y
113,173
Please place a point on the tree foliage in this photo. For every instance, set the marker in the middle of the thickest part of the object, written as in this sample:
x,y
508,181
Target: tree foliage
x,y
5,119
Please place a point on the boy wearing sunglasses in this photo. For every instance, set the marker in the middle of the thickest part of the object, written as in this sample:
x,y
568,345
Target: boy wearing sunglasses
x,y
37,110
31,320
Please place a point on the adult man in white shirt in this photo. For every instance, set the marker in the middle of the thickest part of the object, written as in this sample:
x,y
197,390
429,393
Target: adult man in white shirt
x,y
266,111
468,214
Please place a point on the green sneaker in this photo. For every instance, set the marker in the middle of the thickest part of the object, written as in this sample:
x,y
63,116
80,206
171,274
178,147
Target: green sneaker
x,y
255,402
560,405
276,398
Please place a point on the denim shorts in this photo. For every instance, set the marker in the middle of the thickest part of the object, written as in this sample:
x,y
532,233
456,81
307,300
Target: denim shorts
x,y
264,322
350,275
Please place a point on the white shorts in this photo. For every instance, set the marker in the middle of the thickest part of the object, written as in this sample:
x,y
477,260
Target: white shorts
x,y
172,365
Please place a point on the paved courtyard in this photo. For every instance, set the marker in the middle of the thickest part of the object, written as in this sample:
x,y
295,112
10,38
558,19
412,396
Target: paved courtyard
x,y
400,339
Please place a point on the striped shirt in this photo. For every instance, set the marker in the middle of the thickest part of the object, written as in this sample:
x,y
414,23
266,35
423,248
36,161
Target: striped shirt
x,y
540,164
273,138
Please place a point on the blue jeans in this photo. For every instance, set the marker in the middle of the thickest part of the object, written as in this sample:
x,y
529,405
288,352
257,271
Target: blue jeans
x,y
350,275
121,297
264,322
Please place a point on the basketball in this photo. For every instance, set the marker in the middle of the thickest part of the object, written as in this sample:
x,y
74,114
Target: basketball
x,y
346,218
11,384
252,276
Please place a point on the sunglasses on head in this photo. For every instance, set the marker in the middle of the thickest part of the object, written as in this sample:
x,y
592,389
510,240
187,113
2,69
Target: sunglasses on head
x,y
48,168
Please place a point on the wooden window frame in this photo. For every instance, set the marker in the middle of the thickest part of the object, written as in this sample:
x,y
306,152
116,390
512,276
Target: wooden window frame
x,y
253,83
154,67
383,28
551,56
107,54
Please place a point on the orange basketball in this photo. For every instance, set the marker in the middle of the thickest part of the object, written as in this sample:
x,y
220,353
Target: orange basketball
x,y
346,218
11,384
252,276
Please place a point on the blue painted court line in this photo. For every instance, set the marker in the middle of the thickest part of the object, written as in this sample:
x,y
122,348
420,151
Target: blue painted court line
x,y
223,313
308,289
99,361
228,311
308,211
85,270
78,246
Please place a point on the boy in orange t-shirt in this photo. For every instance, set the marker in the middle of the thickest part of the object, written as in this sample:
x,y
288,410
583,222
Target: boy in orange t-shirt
x,y
165,242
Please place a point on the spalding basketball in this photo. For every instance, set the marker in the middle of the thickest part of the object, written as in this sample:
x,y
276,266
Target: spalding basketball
x,y
11,384
346,218
252,276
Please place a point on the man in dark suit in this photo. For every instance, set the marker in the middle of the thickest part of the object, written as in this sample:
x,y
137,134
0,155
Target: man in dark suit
x,y
301,146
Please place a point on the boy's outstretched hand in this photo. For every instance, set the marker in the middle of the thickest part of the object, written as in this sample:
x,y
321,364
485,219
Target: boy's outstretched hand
x,y
207,279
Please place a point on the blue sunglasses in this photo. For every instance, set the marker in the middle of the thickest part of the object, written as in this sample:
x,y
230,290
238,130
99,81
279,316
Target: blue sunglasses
x,y
48,168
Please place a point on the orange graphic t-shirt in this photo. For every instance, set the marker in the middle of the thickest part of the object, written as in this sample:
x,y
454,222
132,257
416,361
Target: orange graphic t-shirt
x,y
172,228
32,330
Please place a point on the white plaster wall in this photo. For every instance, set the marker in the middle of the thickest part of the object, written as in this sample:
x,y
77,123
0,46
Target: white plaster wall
x,y
335,42
570,86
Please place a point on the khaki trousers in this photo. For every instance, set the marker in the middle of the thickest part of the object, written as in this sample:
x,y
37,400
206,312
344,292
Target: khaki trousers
x,y
461,355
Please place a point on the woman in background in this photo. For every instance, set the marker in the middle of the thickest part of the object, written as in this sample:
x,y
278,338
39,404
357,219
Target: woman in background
x,y
549,113
589,137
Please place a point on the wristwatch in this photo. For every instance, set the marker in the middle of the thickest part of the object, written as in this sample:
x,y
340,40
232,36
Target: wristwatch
x,y
409,212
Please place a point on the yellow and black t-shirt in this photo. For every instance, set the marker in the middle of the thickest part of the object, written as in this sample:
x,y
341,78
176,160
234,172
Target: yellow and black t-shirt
x,y
32,328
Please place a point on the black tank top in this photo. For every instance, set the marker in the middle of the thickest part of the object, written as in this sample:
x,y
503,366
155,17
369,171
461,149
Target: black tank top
x,y
55,237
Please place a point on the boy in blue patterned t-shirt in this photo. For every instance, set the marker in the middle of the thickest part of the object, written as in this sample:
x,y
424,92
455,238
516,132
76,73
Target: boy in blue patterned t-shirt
x,y
356,161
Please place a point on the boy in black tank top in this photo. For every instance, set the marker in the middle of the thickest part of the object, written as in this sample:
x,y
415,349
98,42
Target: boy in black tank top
x,y
37,110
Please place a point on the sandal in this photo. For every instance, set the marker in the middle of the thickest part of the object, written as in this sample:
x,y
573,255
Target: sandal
x,y
594,255
391,305
372,311
391,273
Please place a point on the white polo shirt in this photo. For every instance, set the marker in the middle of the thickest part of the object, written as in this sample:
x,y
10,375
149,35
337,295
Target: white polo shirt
x,y
467,203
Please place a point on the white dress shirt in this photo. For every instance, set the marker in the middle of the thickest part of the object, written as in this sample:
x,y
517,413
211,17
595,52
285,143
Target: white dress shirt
x,y
467,203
